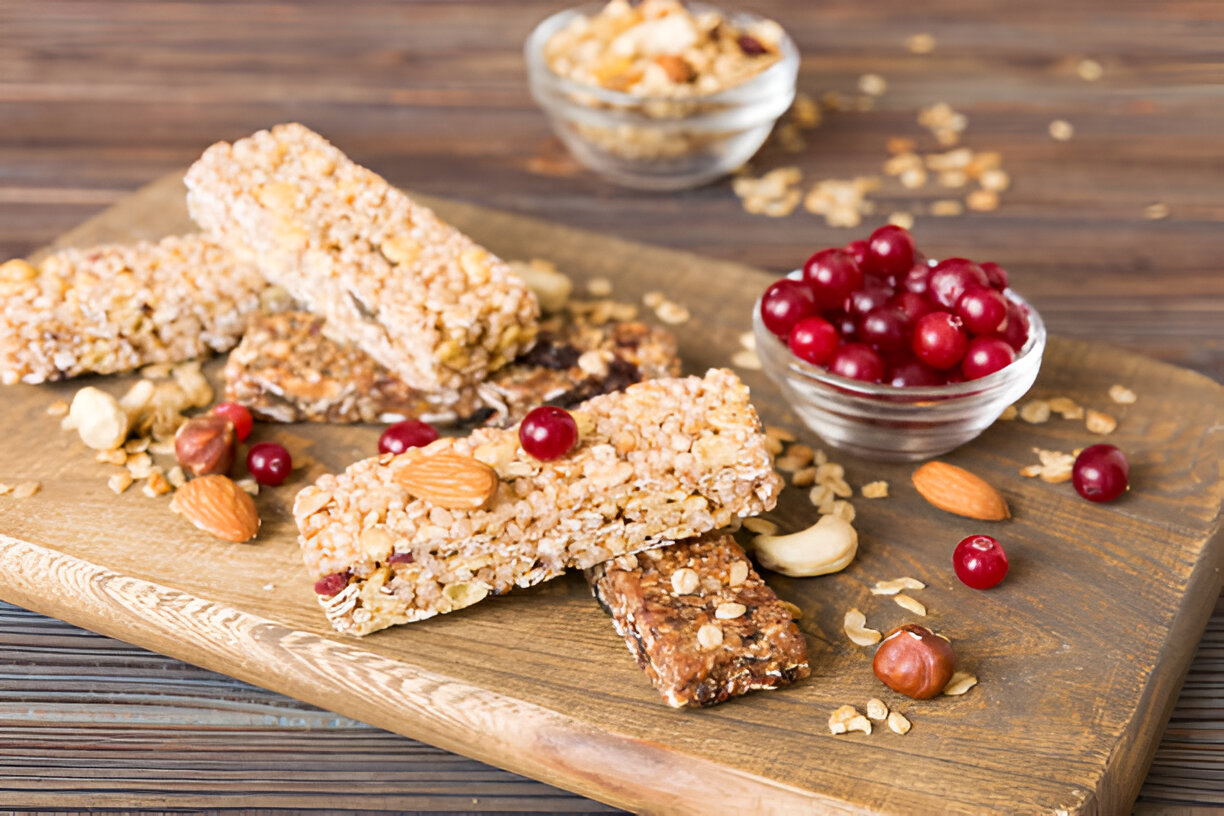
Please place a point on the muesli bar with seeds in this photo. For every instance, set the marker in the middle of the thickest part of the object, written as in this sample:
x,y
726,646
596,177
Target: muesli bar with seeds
x,y
662,460
119,307
287,369
417,295
700,621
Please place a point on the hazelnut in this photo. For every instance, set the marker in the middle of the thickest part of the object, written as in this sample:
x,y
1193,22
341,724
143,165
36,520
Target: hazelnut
x,y
205,444
914,661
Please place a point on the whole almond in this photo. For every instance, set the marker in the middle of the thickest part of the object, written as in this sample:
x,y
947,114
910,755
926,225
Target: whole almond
x,y
449,480
958,491
219,507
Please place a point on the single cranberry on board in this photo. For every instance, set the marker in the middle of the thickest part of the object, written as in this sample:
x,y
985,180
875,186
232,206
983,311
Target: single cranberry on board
x,y
548,433
1101,473
890,252
784,304
939,341
814,339
269,463
832,275
979,562
411,433
238,415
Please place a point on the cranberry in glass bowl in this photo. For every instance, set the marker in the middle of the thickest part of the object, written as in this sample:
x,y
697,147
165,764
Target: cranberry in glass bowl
x,y
928,412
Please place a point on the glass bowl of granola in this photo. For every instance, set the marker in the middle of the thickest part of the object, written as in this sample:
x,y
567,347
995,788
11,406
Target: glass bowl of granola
x,y
661,95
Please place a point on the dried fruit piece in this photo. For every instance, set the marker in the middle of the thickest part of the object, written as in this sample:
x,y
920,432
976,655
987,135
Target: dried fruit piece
x,y
958,491
449,480
854,625
216,505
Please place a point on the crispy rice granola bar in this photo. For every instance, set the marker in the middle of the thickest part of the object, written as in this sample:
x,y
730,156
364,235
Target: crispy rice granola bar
x,y
286,369
660,461
115,308
700,621
416,294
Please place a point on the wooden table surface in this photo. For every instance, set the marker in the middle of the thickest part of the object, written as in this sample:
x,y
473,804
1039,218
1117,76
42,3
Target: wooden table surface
x,y
99,98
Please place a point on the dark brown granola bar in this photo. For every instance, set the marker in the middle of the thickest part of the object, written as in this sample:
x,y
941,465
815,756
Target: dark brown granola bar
x,y
700,621
288,370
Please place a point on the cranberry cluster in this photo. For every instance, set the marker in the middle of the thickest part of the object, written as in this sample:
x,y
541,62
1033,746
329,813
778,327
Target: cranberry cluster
x,y
876,311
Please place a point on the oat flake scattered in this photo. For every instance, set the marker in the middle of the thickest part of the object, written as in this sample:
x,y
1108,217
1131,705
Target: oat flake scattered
x,y
1035,412
1099,422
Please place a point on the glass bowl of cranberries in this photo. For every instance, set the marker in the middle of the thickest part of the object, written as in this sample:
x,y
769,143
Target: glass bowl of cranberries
x,y
894,357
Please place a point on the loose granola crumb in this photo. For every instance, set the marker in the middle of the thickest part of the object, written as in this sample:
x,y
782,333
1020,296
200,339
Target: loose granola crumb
x,y
906,602
1035,412
1061,130
840,717
119,482
1055,466
842,202
1099,422
1122,395
176,477
57,409
140,465
156,484
116,456
24,490
875,490
804,477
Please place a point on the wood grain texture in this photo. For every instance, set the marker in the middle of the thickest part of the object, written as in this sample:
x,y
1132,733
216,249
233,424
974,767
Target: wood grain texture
x,y
96,98
1081,658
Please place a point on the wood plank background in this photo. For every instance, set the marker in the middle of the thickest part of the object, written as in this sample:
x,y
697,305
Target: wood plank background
x,y
97,99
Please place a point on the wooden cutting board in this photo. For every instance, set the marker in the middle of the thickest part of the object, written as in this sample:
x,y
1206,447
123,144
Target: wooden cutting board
x,y
1080,653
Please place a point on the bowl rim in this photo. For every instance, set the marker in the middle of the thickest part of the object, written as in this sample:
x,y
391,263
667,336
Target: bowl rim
x,y
784,70
1034,345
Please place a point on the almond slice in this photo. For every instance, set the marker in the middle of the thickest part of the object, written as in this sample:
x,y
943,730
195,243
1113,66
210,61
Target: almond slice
x,y
219,507
449,480
958,491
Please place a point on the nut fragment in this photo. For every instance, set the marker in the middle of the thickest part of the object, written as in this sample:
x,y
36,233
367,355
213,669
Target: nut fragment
x,y
906,602
119,482
737,574
98,418
854,625
1098,422
115,456
896,585
876,709
747,359
959,683
729,610
1035,412
859,723
897,723
840,718
448,480
710,636
685,581
25,490
57,409
827,546
465,594
216,505
958,491
760,526
1061,130
205,444
875,490
1122,395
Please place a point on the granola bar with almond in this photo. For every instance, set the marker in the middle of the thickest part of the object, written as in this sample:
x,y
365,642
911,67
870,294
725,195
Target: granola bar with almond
x,y
116,308
416,294
658,462
700,621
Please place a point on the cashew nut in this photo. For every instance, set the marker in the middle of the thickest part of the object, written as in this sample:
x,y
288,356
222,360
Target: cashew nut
x,y
827,546
99,419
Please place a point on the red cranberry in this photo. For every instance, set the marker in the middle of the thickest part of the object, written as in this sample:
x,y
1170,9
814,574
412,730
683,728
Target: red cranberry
x,y
846,324
330,585
912,373
858,362
1100,473
984,311
996,274
979,562
238,415
917,279
885,328
986,355
871,296
949,280
784,304
411,433
832,274
890,251
401,558
939,341
912,304
858,249
548,433
269,463
814,339
1016,331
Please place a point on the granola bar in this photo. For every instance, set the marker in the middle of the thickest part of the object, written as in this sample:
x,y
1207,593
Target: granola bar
x,y
417,295
700,621
286,369
660,461
115,308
